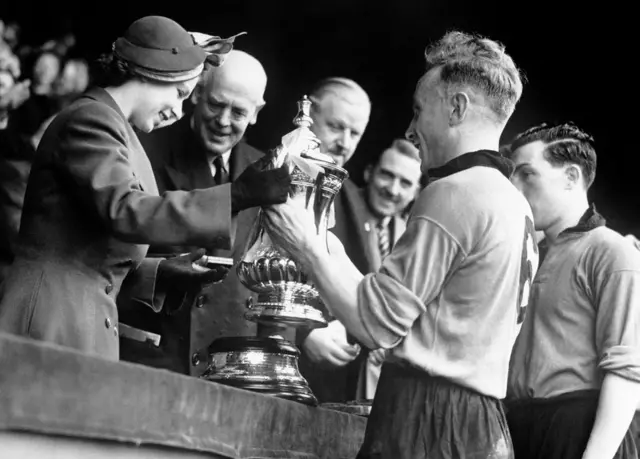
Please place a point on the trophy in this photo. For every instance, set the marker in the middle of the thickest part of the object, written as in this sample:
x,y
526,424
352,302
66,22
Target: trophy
x,y
286,299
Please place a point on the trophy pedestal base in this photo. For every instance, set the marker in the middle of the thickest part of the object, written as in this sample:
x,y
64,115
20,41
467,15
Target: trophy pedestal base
x,y
287,392
265,365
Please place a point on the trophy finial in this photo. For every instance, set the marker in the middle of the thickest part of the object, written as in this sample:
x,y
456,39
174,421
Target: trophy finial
x,y
303,118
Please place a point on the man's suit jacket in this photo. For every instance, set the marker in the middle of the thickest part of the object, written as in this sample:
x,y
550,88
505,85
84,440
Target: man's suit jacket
x,y
354,229
91,209
179,163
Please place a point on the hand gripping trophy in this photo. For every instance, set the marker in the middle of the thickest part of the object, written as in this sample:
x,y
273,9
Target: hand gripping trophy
x,y
286,298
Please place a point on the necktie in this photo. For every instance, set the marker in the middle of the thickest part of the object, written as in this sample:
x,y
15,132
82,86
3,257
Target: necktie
x,y
222,176
383,237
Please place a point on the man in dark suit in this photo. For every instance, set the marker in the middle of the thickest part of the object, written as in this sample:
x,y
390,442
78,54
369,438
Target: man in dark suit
x,y
333,365
199,151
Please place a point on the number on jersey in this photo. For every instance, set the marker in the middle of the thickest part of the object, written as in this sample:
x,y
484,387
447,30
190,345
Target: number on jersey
x,y
528,267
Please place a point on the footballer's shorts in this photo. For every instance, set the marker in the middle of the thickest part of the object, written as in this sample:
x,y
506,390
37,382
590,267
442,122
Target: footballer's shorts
x,y
558,427
416,415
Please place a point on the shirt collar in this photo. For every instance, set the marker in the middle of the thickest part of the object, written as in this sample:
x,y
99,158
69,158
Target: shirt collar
x,y
486,158
225,161
226,156
591,219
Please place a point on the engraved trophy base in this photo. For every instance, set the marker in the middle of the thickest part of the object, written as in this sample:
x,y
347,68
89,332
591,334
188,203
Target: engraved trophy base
x,y
264,365
284,311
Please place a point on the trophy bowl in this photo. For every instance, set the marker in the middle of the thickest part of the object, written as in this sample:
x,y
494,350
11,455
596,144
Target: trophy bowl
x,y
273,271
265,365
284,296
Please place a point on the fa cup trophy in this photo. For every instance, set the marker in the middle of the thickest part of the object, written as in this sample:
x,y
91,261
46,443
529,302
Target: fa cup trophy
x,y
286,300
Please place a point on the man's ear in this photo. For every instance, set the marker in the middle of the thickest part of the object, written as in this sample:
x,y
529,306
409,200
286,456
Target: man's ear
x,y
573,175
195,94
459,108
368,172
254,120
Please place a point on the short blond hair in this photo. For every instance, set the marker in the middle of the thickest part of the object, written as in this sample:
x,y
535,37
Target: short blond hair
x,y
480,63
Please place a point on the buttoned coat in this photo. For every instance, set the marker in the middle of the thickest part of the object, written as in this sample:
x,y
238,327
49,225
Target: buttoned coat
x,y
180,163
91,209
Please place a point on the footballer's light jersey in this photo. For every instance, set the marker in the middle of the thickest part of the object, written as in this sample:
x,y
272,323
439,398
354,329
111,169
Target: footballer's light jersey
x,y
451,297
583,319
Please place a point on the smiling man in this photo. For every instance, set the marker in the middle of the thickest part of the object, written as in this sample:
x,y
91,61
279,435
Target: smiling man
x,y
449,299
393,181
391,185
227,103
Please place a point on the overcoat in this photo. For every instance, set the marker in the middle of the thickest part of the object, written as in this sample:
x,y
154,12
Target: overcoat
x,y
91,210
180,163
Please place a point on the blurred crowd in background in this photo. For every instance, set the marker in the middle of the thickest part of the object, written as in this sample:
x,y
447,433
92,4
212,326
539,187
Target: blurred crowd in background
x,y
36,82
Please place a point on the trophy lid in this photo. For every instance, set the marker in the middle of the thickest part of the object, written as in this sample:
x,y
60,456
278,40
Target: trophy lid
x,y
303,120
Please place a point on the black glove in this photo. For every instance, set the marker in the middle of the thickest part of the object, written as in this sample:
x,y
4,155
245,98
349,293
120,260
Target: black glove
x,y
178,272
258,187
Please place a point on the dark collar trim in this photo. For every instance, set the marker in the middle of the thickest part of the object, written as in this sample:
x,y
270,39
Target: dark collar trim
x,y
486,158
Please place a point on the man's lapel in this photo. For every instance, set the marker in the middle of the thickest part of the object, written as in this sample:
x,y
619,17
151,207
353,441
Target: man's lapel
x,y
178,180
242,156
399,227
188,168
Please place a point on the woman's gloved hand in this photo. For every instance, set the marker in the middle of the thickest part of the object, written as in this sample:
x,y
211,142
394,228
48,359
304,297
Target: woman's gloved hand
x,y
187,273
259,187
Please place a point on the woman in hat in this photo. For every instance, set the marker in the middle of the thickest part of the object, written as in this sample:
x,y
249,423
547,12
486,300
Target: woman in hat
x,y
92,206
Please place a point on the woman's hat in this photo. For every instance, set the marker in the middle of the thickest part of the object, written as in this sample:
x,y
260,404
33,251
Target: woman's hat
x,y
159,48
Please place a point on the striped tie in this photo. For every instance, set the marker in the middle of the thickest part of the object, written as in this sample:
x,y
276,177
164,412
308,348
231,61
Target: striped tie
x,y
383,237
